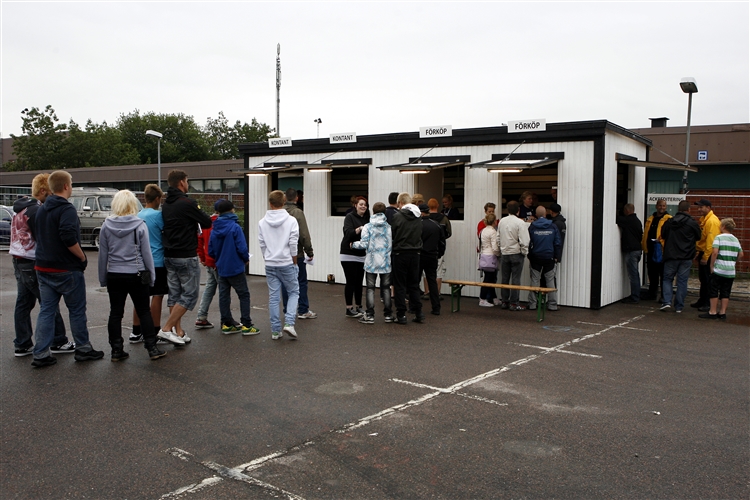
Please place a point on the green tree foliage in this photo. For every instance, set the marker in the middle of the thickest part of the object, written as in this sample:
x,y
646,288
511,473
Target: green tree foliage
x,y
47,144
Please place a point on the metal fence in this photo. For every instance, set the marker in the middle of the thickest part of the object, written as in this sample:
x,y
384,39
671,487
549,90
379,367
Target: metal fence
x,y
9,194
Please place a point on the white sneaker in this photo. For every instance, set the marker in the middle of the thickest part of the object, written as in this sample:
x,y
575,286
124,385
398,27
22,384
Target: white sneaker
x,y
289,330
497,302
171,336
484,303
185,338
308,315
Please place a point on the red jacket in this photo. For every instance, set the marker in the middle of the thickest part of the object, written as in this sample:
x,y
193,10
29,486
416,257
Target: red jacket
x,y
203,245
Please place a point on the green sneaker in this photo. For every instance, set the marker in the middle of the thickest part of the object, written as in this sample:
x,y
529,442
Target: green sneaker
x,y
275,335
249,330
227,329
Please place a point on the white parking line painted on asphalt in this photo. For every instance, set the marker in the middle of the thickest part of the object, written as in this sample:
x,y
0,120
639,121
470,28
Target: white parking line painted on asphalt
x,y
626,327
237,472
557,350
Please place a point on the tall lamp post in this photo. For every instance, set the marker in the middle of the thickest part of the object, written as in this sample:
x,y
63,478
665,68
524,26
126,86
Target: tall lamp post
x,y
318,121
688,86
158,135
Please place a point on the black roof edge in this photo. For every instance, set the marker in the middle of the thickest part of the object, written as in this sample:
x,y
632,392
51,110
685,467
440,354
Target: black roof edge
x,y
570,131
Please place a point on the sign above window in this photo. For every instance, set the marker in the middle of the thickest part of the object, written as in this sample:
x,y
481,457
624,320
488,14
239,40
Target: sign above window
x,y
280,142
527,126
346,137
439,131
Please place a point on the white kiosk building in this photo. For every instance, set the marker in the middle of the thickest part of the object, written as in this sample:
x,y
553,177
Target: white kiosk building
x,y
596,167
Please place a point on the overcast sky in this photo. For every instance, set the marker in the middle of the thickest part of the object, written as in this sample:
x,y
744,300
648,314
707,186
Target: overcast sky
x,y
377,67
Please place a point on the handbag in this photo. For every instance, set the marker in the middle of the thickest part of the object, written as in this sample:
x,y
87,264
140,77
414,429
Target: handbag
x,y
487,262
658,254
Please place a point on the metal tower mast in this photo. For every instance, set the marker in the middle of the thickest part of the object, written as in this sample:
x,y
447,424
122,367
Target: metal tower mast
x,y
278,88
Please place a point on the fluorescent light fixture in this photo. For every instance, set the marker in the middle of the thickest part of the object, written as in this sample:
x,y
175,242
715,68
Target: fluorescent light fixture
x,y
255,173
425,171
688,85
154,133
320,169
504,170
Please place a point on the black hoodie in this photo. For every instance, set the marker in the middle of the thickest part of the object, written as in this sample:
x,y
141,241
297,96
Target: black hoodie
x,y
56,229
182,216
680,234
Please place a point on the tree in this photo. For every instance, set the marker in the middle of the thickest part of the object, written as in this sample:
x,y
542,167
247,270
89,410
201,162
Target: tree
x,y
96,146
183,139
39,146
223,140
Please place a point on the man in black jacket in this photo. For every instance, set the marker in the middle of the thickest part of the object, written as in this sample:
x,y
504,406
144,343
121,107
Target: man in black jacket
x,y
680,234
407,243
433,247
182,218
631,232
60,263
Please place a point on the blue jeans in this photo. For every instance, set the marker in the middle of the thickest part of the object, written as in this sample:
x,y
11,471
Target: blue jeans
x,y
537,269
239,283
303,304
28,295
385,293
681,269
208,292
276,277
631,262
511,267
184,278
71,286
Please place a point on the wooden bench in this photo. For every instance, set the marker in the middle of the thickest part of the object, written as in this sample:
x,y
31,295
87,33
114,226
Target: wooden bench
x,y
541,293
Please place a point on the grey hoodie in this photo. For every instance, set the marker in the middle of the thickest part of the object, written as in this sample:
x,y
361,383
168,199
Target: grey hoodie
x,y
122,251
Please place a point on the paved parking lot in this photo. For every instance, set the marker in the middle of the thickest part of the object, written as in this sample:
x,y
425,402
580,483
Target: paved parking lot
x,y
625,402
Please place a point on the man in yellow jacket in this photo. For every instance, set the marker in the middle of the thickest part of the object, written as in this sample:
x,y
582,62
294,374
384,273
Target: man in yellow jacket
x,y
651,238
710,228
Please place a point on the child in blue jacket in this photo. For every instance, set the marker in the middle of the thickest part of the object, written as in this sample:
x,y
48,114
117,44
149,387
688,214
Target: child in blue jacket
x,y
228,247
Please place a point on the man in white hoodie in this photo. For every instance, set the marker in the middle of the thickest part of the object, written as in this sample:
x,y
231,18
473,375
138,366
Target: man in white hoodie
x,y
278,234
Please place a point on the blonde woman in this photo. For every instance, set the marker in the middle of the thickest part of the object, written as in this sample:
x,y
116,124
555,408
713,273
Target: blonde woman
x,y
488,254
125,262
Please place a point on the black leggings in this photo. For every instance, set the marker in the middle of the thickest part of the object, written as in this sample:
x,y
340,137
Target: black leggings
x,y
354,273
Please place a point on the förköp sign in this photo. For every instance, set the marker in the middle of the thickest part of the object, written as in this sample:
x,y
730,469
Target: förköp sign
x,y
527,126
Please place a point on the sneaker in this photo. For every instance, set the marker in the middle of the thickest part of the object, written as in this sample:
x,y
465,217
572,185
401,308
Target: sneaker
x,y
484,303
678,311
202,324
156,353
436,312
497,302
41,363
353,313
425,296
390,319
171,336
23,351
367,319
708,316
307,315
401,320
360,311
419,318
66,348
135,339
275,335
185,338
229,329
88,355
163,342
289,330
519,307
249,330
704,309
665,307
119,355
504,305
553,308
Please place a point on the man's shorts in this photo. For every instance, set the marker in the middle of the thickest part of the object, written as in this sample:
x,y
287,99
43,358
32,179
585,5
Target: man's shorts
x,y
721,287
441,268
161,287
184,279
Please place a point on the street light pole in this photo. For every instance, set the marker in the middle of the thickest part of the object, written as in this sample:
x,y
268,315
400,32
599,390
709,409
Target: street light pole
x,y
158,135
688,86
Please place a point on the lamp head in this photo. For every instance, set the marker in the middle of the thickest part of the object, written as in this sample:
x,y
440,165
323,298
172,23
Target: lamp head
x,y
688,85
154,133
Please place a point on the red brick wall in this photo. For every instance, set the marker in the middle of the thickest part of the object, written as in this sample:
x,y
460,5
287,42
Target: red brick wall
x,y
729,203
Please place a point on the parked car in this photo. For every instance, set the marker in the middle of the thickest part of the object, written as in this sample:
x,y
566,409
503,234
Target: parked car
x,y
6,214
93,206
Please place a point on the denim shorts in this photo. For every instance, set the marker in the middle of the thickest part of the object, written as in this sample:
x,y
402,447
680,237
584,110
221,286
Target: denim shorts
x,y
184,279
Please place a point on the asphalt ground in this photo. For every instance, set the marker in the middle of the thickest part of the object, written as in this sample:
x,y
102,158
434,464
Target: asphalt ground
x,y
624,402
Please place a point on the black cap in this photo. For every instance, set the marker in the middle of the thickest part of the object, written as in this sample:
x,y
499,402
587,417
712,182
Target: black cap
x,y
424,208
703,202
555,208
223,206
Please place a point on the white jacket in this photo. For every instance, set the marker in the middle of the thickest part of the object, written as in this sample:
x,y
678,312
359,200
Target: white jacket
x,y
278,234
513,236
